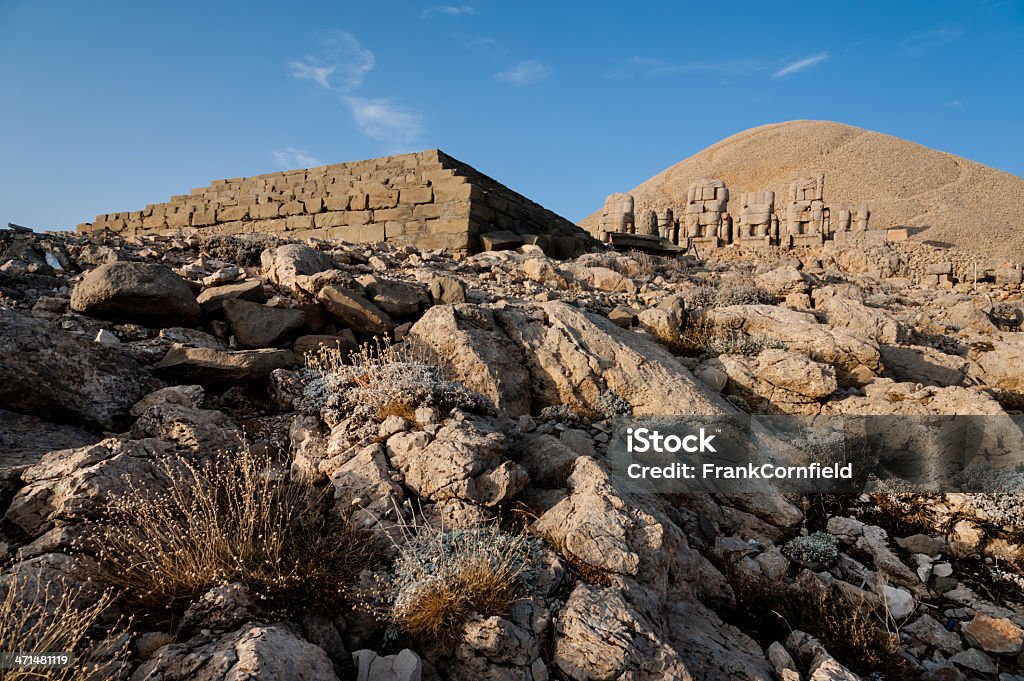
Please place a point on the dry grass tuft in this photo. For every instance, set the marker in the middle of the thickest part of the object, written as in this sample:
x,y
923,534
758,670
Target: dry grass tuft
x,y
443,577
438,610
398,407
380,373
770,611
48,619
234,519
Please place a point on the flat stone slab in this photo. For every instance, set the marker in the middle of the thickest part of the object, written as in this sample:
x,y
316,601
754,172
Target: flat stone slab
x,y
209,367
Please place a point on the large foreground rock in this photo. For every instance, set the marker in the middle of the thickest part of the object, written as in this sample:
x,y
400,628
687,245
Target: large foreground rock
x,y
268,652
853,357
778,380
575,358
997,361
136,292
468,340
210,367
56,375
71,485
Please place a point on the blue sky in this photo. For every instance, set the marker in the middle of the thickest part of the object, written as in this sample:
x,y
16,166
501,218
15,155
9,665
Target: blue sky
x,y
107,106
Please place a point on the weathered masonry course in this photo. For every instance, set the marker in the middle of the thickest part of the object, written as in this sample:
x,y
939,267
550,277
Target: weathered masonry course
x,y
428,199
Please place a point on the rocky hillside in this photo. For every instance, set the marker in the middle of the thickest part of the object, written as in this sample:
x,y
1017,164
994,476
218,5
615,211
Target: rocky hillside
x,y
325,461
951,199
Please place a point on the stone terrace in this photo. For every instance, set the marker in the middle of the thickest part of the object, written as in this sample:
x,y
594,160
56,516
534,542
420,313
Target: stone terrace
x,y
428,199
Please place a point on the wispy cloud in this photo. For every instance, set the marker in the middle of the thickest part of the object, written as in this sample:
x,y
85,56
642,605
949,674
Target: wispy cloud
x,y
342,64
385,121
290,157
933,38
341,67
954,104
525,73
449,10
800,65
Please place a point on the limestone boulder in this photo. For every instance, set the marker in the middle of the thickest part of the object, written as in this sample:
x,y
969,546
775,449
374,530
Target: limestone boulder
x,y
782,281
542,271
312,283
71,485
600,278
365,480
399,299
924,365
575,357
623,537
873,323
284,264
495,648
469,341
165,415
853,357
821,665
211,300
778,380
884,396
466,460
260,326
403,666
269,652
875,541
996,361
929,631
144,293
444,289
209,367
355,311
599,635
54,374
996,635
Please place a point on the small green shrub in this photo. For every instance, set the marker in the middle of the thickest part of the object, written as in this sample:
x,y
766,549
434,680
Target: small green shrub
x,y
820,547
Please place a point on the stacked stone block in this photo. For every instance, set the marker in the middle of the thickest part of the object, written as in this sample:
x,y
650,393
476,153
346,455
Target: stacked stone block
x,y
805,212
704,215
758,223
617,217
428,199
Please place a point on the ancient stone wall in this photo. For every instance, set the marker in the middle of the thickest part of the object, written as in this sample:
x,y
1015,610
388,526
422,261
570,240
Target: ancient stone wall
x,y
429,199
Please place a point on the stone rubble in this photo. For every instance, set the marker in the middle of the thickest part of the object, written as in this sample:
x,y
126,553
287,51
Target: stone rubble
x,y
626,586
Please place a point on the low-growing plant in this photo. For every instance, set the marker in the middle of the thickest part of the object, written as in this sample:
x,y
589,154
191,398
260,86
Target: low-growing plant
x,y
709,296
398,407
611,404
820,547
235,518
443,577
701,337
379,374
55,617
729,342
